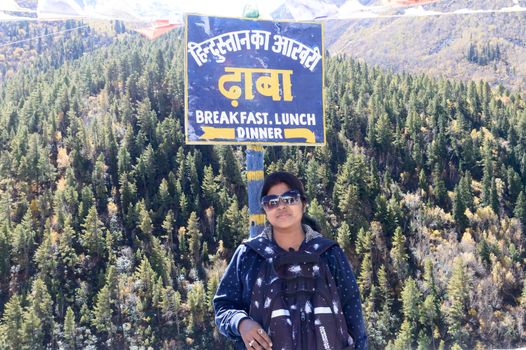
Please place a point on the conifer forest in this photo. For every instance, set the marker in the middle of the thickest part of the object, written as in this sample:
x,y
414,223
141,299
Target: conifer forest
x,y
114,233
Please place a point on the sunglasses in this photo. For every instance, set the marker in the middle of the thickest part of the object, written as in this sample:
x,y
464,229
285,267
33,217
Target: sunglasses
x,y
273,201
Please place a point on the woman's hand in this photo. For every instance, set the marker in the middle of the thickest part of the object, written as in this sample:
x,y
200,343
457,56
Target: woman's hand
x,y
253,335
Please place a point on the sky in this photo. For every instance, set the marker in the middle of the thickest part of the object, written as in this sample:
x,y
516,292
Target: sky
x,y
174,10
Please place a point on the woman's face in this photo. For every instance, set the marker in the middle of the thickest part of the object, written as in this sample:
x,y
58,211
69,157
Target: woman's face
x,y
284,216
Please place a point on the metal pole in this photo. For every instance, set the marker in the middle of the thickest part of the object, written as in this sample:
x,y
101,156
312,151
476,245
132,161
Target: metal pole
x,y
255,175
255,164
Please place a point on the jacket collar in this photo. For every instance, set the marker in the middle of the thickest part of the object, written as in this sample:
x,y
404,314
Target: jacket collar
x,y
309,233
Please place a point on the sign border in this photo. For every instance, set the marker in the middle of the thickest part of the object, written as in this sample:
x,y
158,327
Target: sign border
x,y
261,143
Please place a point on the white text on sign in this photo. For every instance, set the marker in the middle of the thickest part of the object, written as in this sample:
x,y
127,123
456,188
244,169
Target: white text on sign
x,y
219,45
255,118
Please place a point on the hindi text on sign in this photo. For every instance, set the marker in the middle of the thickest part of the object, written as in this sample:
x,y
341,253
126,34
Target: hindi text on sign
x,y
267,84
220,45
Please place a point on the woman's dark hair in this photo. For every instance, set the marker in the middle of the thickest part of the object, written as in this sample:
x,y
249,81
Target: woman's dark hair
x,y
295,184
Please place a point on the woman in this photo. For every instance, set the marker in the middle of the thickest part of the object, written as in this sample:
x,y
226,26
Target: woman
x,y
284,203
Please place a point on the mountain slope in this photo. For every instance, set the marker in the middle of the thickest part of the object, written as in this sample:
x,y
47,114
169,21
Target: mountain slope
x,y
439,45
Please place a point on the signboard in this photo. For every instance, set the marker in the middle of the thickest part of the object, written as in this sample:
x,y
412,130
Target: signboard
x,y
254,82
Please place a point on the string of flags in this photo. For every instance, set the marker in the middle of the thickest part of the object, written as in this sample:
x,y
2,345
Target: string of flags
x,y
155,17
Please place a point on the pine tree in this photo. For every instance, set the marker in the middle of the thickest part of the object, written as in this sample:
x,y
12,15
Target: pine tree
x,y
487,180
371,130
457,297
386,318
5,255
351,190
316,211
313,181
98,179
11,325
128,192
404,339
87,200
23,243
365,279
168,227
32,333
184,206
124,160
70,330
170,304
439,188
197,306
520,208
182,238
39,314
514,185
465,190
343,236
149,295
230,172
102,312
371,318
363,241
423,342
45,257
160,260
494,197
399,254
431,314
384,132
85,315
145,171
411,303
147,119
194,241
92,238
145,221
209,187
459,208
456,347
164,199
522,300
422,180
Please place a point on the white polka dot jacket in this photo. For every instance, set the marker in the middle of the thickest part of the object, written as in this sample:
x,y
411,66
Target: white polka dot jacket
x,y
233,297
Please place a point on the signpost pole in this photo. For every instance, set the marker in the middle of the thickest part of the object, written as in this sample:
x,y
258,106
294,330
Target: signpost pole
x,y
255,175
255,166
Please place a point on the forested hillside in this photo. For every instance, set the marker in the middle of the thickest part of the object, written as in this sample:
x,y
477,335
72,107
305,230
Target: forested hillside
x,y
114,234
440,46
48,45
